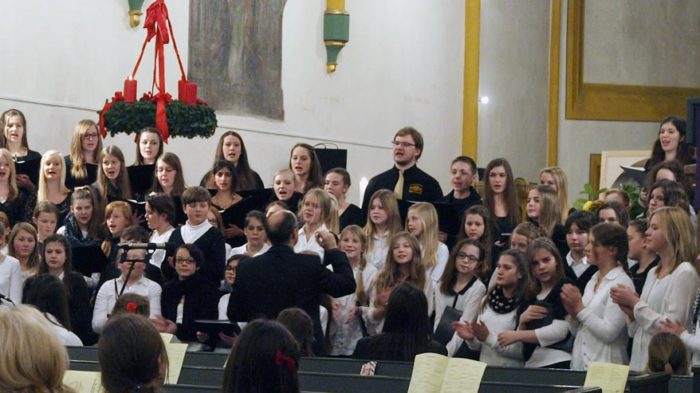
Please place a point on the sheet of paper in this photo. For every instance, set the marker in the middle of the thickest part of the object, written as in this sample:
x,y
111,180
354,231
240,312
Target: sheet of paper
x,y
167,337
176,356
611,378
83,381
428,371
463,376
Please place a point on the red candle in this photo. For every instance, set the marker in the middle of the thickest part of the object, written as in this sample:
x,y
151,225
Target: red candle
x,y
191,93
181,89
130,90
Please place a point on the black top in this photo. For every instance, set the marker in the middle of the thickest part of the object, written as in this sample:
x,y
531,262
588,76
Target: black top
x,y
212,245
418,186
72,182
351,215
555,308
457,207
382,347
278,279
585,276
200,302
79,307
639,278
20,208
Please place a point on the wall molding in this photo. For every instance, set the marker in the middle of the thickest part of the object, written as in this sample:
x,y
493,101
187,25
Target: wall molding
x,y
597,101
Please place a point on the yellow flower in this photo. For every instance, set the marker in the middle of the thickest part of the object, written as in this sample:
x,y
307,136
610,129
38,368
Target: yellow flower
x,y
587,206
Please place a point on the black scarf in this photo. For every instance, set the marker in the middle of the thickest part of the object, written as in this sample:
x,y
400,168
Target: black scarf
x,y
499,303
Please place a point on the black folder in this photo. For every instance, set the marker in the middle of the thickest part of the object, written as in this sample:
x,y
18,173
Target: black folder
x,y
30,168
213,326
141,178
89,259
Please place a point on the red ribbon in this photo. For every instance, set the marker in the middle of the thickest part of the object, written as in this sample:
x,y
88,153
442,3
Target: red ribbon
x,y
282,359
131,307
118,96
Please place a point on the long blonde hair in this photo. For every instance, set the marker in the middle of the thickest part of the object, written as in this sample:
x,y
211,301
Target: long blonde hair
x,y
323,200
550,213
390,274
79,170
562,188
678,232
360,294
429,235
393,221
42,193
12,179
32,359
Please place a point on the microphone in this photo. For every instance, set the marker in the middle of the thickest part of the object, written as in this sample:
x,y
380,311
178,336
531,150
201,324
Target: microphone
x,y
145,246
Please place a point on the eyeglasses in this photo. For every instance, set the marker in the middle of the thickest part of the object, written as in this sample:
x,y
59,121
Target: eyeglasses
x,y
90,136
402,144
230,268
134,260
470,258
186,261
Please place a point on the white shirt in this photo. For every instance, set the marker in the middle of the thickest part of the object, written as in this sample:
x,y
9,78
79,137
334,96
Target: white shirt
x,y
107,297
190,233
242,250
304,244
491,353
601,334
158,256
66,336
380,248
11,278
579,266
344,333
468,302
443,254
668,298
692,342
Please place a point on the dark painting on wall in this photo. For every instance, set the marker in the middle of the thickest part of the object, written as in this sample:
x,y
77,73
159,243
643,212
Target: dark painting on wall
x,y
235,55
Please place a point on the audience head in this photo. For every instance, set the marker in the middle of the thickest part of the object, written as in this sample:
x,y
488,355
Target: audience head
x,y
48,294
281,227
132,355
667,354
407,317
464,172
299,323
264,358
32,358
408,147
149,146
132,303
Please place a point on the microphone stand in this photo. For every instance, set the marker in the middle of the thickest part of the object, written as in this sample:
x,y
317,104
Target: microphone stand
x,y
122,259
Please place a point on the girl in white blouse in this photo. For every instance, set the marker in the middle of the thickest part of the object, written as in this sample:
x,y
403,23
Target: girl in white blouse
x,y
598,323
460,286
670,287
383,222
498,313
347,326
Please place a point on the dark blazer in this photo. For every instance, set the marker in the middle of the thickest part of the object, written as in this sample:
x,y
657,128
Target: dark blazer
x,y
280,278
212,245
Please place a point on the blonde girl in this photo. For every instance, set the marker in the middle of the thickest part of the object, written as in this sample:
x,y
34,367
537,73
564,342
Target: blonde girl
x,y
670,287
52,179
347,325
85,149
315,210
460,286
543,209
283,186
403,264
383,222
555,177
16,202
422,222
112,177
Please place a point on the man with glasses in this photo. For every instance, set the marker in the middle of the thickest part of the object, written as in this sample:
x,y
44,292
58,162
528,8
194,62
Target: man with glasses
x,y
405,178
